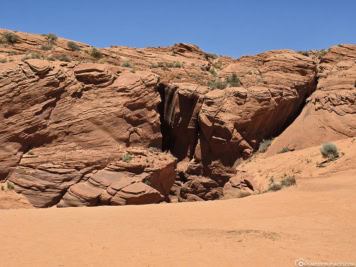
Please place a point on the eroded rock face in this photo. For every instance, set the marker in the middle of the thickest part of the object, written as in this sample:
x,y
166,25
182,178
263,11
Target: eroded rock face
x,y
72,176
214,128
65,126
329,113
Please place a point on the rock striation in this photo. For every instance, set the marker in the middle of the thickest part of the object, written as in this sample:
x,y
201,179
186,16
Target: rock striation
x,y
84,130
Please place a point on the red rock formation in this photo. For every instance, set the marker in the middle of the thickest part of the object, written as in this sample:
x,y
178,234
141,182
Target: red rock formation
x,y
65,126
329,113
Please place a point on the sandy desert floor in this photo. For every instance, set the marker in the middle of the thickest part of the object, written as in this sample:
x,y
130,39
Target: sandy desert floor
x,y
314,220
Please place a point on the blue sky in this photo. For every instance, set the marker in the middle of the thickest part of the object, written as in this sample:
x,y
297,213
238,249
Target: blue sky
x,y
224,27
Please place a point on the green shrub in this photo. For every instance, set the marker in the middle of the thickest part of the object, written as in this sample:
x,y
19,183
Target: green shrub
x,y
275,187
147,182
12,53
213,72
283,150
330,151
32,55
304,53
127,158
51,58
178,65
126,64
217,84
73,46
47,47
288,181
3,60
2,188
211,55
51,37
233,80
153,66
264,145
96,54
355,84
133,70
10,38
10,186
63,58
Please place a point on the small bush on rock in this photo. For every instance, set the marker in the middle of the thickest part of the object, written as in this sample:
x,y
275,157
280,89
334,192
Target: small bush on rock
x,y
10,186
127,158
73,46
264,145
275,187
96,54
283,150
126,64
217,84
9,38
32,55
211,55
51,37
330,151
288,181
233,80
64,58
47,47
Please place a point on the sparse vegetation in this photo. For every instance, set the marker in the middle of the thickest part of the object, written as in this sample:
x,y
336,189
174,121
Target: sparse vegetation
x,y
304,53
3,60
264,145
355,84
147,182
321,53
73,46
32,55
9,38
127,158
51,37
283,150
2,188
288,181
217,65
217,84
47,47
213,72
233,80
12,53
64,58
330,151
211,55
126,64
10,186
274,186
167,65
96,54
133,70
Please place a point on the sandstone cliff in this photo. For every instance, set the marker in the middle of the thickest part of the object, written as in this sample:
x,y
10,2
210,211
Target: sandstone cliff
x,y
89,126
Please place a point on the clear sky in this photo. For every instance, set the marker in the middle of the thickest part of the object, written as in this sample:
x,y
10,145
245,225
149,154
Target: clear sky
x,y
224,27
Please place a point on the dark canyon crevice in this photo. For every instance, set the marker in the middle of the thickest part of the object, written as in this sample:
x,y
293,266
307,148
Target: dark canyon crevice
x,y
213,155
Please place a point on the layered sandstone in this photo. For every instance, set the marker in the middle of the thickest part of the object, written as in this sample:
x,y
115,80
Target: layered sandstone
x,y
86,132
